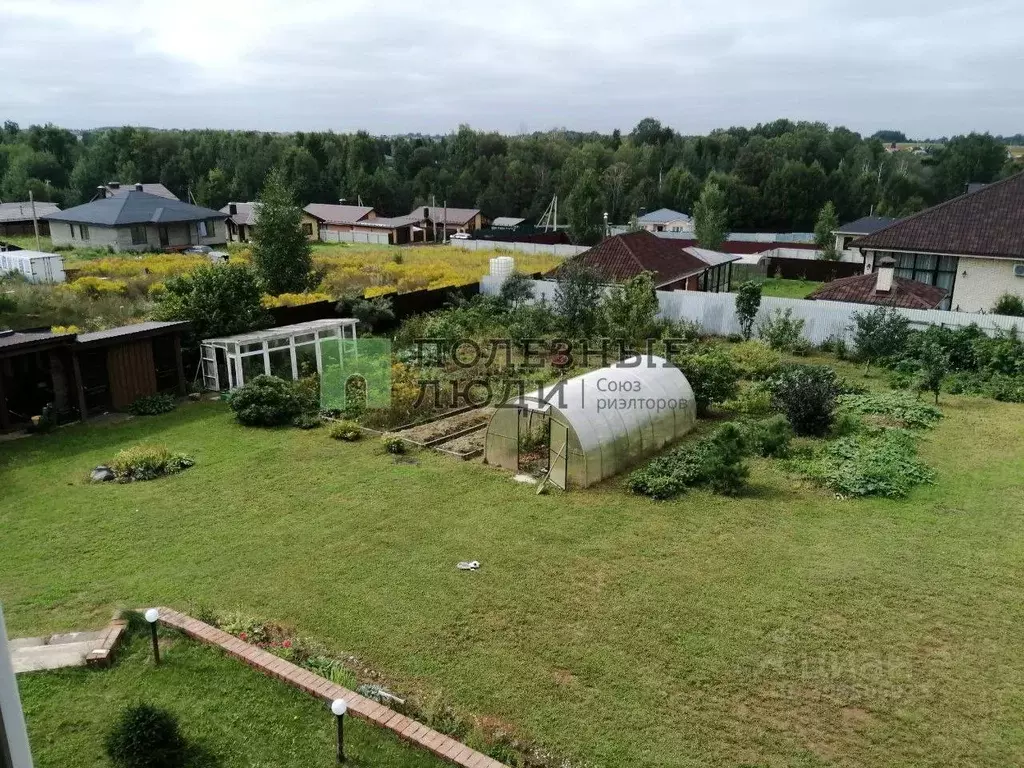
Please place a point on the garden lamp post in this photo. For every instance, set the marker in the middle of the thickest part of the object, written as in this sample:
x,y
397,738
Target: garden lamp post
x,y
151,616
339,708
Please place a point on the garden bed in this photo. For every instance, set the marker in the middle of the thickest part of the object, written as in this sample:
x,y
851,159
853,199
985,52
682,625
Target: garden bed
x,y
439,431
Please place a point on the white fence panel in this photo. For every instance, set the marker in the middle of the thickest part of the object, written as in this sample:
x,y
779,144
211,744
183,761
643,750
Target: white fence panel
x,y
371,238
716,312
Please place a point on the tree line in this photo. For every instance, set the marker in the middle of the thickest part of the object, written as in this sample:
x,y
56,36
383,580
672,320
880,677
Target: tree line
x,y
773,177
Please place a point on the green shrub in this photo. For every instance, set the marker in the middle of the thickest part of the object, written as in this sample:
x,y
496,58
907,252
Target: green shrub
x,y
881,463
349,431
144,736
880,333
266,401
891,409
1009,304
781,331
151,405
754,400
307,393
748,301
807,395
308,421
147,462
755,360
835,345
713,376
769,437
393,443
715,462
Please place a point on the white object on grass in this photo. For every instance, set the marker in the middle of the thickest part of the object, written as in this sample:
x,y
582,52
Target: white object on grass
x,y
471,565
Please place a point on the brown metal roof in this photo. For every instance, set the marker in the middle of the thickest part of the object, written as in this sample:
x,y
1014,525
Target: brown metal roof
x,y
443,215
986,222
860,289
621,257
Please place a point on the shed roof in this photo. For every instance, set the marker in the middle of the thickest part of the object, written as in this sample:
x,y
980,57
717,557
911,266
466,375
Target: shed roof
x,y
507,221
338,214
860,289
22,211
388,222
16,342
663,216
130,332
986,222
712,258
135,207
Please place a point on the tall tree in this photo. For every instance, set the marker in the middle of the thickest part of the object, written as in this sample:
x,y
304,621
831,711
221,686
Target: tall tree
x,y
280,252
824,229
710,217
586,226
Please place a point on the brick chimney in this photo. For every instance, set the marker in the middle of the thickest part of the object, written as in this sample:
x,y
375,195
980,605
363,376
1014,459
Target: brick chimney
x,y
884,274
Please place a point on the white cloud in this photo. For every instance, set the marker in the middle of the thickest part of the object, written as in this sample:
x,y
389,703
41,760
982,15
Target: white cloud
x,y
927,67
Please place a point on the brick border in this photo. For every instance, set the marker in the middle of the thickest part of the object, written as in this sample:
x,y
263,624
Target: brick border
x,y
414,732
103,654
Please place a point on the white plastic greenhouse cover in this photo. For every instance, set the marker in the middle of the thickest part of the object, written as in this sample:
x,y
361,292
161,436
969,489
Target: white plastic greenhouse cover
x,y
659,401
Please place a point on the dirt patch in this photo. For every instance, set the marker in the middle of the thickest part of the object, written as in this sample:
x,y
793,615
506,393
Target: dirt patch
x,y
467,444
448,426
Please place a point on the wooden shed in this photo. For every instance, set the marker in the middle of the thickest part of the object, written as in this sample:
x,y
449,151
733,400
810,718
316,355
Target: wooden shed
x,y
120,365
36,368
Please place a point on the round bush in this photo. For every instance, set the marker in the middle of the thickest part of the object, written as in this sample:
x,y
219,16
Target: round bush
x,y
144,736
348,431
807,394
266,401
393,443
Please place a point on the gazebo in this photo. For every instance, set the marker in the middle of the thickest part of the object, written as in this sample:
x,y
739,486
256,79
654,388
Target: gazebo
x,y
595,425
288,352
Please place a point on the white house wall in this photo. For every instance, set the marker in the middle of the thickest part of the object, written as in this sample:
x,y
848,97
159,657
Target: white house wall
x,y
980,283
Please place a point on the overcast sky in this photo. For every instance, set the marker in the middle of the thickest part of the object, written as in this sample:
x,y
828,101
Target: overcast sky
x,y
397,66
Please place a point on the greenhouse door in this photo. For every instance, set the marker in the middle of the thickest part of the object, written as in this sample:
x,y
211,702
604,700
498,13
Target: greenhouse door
x,y
558,454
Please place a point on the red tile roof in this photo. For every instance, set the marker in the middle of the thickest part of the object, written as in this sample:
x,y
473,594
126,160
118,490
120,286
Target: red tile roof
x,y
860,289
986,222
621,257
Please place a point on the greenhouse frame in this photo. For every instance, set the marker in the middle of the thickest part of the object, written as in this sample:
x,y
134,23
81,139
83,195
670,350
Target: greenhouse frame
x,y
590,435
288,352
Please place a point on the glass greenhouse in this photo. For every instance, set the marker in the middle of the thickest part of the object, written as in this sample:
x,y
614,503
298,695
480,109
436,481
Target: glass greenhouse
x,y
595,425
288,352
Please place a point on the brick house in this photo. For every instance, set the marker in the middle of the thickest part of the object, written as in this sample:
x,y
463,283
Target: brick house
x,y
971,246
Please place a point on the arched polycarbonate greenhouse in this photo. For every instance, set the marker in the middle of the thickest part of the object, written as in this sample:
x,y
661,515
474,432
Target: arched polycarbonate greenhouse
x,y
595,425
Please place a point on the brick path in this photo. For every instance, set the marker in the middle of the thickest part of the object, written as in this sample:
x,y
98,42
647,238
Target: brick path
x,y
366,709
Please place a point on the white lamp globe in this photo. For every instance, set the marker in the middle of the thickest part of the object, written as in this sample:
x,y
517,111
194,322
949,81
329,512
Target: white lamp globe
x,y
152,615
339,707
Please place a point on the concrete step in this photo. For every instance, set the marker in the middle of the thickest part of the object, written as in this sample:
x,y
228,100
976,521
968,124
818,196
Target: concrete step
x,y
40,657
74,637
25,642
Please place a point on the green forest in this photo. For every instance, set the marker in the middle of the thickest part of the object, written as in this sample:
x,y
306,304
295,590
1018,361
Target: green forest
x,y
774,176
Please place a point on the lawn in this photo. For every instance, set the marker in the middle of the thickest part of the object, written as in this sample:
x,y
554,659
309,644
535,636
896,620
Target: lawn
x,y
233,714
788,289
786,627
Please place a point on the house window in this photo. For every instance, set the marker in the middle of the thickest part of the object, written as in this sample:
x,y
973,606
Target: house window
x,y
846,242
208,228
307,229
72,228
927,268
83,231
139,234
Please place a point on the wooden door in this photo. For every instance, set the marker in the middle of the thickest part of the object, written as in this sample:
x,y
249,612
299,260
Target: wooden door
x,y
132,372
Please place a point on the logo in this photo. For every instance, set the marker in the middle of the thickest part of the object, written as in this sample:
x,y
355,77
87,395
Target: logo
x,y
354,371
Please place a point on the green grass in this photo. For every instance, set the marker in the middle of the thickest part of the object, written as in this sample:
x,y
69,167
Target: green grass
x,y
28,242
788,289
233,714
785,627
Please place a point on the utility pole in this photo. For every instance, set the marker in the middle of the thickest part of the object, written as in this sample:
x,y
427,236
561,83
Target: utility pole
x,y
433,218
556,213
444,225
35,221
14,748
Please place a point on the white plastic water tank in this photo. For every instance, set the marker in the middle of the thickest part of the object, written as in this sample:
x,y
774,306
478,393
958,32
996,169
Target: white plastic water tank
x,y
502,266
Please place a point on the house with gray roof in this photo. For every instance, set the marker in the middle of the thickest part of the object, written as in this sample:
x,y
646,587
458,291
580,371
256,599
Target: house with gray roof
x,y
866,225
665,220
116,189
16,217
138,221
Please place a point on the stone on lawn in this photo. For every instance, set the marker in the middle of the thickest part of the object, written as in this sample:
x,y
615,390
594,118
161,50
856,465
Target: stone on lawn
x,y
101,475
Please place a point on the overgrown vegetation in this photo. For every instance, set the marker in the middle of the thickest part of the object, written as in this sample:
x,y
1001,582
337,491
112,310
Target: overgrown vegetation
x,y
807,395
266,401
151,405
716,462
147,462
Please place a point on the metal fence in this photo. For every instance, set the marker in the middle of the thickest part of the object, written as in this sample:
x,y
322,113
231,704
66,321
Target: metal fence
x,y
823,320
371,238
558,249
